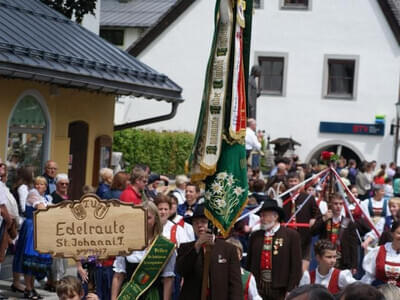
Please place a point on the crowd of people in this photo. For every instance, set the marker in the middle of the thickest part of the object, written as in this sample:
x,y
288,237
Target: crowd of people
x,y
292,241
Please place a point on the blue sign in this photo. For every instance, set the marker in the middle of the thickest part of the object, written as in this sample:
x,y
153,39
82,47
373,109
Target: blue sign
x,y
352,128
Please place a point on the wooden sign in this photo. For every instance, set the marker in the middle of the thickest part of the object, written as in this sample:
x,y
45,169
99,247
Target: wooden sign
x,y
90,227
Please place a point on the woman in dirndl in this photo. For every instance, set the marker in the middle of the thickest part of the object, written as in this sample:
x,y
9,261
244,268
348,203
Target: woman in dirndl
x,y
382,264
27,260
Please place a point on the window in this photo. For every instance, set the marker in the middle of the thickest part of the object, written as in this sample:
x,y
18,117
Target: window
x,y
258,4
296,4
340,76
114,36
272,74
27,135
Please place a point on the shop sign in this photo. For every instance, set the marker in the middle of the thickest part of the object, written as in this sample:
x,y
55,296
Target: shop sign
x,y
352,128
90,227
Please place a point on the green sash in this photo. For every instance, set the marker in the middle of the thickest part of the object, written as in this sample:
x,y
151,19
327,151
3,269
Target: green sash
x,y
149,269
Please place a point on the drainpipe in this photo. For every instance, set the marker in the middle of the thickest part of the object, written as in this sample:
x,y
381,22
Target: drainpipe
x,y
166,117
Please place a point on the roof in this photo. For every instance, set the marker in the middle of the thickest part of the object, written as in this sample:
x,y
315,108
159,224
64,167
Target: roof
x,y
38,43
157,28
391,10
132,13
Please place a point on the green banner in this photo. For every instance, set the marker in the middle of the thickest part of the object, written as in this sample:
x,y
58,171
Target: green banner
x,y
218,156
148,270
226,191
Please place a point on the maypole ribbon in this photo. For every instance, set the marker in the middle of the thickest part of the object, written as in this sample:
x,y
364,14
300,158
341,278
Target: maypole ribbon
x,y
297,211
314,177
304,203
346,204
253,211
350,194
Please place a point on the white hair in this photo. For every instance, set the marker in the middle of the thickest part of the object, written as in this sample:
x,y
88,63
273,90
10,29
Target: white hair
x,y
62,176
179,179
106,173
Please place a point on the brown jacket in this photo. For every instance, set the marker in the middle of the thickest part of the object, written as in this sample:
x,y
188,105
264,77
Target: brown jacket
x,y
309,211
286,265
225,276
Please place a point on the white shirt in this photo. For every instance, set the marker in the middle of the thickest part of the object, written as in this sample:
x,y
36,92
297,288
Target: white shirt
x,y
252,291
272,231
369,262
181,236
186,226
390,172
11,204
251,139
323,207
34,199
119,265
345,278
180,195
375,204
22,195
3,193
379,227
388,190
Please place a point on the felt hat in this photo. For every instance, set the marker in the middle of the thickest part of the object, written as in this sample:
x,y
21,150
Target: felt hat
x,y
272,205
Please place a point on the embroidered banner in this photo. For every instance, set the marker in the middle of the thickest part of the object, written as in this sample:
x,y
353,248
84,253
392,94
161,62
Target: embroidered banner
x,y
237,126
218,156
149,269
207,146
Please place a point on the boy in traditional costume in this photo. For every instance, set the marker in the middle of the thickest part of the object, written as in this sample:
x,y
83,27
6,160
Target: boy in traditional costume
x,y
248,281
171,231
274,254
306,215
326,273
341,231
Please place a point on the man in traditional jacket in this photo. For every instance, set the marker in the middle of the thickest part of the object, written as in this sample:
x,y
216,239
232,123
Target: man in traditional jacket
x,y
341,231
306,216
274,254
223,279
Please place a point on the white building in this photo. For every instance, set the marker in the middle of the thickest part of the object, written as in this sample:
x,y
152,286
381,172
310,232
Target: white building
x,y
322,61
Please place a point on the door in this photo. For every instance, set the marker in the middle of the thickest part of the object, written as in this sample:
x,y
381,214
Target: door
x,y
78,133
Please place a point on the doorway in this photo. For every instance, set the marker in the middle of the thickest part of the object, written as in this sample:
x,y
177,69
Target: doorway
x,y
338,149
78,133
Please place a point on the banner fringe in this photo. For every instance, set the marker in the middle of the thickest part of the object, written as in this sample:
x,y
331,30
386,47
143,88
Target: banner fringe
x,y
225,233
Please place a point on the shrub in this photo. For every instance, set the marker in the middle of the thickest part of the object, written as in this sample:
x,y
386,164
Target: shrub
x,y
165,152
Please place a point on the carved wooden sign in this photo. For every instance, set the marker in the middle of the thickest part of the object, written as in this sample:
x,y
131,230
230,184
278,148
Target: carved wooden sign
x,y
90,227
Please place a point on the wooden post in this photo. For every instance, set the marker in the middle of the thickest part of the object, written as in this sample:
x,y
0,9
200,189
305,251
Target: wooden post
x,y
206,271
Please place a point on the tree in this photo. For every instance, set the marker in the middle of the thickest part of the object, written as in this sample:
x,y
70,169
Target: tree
x,y
70,8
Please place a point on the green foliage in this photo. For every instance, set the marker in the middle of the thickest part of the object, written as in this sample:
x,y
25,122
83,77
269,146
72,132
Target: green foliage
x,y
165,152
69,8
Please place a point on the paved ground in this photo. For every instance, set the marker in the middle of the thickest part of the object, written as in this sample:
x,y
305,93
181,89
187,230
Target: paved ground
x,y
6,280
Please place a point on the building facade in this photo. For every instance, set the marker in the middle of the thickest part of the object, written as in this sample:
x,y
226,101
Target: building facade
x,y
330,71
59,83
